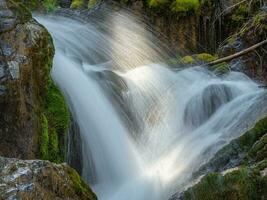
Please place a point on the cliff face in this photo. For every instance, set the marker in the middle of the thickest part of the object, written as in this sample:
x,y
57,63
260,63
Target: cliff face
x,y
33,116
25,49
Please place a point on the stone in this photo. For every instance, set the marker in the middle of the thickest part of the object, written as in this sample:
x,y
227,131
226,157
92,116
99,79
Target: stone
x,y
3,89
6,49
37,179
13,67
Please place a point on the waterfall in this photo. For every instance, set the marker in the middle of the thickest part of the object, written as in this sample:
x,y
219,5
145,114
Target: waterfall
x,y
145,127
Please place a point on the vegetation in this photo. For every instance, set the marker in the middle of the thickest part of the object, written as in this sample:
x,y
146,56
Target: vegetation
x,y
245,182
188,60
55,116
77,4
205,57
79,185
44,139
157,3
49,5
184,5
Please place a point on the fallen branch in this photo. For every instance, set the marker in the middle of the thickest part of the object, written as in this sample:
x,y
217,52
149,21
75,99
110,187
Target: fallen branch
x,y
238,54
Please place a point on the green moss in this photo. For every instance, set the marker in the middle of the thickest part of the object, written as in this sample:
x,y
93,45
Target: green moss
x,y
238,148
44,139
187,60
92,3
244,183
54,151
205,57
185,5
29,4
157,3
221,68
249,138
58,117
241,13
77,4
259,150
19,9
79,185
55,111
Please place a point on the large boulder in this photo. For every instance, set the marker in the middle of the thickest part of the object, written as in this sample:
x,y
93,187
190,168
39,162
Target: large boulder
x,y
37,179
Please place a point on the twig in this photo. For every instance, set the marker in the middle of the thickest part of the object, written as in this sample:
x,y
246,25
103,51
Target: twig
x,y
238,54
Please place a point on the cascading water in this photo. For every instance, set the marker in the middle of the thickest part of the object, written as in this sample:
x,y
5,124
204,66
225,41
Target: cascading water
x,y
145,128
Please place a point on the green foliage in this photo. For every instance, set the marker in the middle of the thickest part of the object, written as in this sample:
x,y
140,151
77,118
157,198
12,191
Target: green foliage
x,y
44,139
77,4
184,5
49,5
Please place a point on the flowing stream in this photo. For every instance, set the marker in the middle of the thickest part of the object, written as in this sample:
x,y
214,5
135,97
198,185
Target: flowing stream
x,y
145,127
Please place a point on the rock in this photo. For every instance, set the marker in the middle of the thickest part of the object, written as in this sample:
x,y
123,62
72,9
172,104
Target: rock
x,y
29,95
6,49
19,121
36,179
2,89
65,3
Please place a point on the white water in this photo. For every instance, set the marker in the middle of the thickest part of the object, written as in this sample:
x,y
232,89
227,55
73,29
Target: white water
x,y
145,128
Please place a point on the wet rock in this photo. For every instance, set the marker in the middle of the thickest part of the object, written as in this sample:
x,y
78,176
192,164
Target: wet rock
x,y
2,70
3,89
5,49
25,50
36,179
13,67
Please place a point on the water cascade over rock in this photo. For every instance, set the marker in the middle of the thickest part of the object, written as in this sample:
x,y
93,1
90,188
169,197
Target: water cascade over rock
x,y
145,127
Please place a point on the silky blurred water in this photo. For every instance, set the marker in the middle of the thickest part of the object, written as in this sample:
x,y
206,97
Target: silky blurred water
x,y
145,127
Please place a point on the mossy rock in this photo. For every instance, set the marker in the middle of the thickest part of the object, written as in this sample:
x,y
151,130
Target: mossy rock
x,y
205,57
221,68
76,4
80,187
244,183
188,60
239,151
54,114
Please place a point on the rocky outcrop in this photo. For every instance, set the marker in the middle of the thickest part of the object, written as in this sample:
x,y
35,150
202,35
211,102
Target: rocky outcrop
x,y
237,171
36,179
25,47
33,115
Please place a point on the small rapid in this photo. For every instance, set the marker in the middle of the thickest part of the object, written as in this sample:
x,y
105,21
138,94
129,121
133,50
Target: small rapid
x,y
145,127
